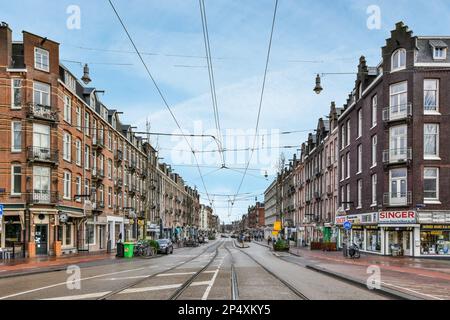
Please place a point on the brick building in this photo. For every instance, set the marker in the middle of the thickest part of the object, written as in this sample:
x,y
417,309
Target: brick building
x,y
394,159
75,178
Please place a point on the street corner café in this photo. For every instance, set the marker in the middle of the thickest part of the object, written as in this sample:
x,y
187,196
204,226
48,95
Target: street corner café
x,y
398,233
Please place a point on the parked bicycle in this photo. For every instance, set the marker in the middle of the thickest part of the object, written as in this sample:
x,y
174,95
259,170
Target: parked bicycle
x,y
354,252
144,249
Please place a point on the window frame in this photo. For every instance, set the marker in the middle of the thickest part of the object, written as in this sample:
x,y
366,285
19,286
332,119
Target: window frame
x,y
13,131
374,111
13,93
67,185
67,147
399,51
43,53
13,175
428,199
428,111
437,138
67,109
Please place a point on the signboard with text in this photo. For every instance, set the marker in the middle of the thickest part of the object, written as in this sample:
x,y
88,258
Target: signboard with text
x,y
400,217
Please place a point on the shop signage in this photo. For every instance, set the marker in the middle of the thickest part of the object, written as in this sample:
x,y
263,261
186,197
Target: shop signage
x,y
277,226
358,219
435,227
404,217
1,210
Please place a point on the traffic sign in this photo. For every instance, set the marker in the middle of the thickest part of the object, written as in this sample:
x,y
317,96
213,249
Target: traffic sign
x,y
1,209
347,225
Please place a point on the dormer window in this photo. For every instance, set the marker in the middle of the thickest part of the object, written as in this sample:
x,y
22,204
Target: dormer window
x,y
439,49
399,60
92,101
41,59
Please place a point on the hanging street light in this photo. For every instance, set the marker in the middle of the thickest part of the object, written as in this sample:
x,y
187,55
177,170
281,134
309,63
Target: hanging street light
x,y
318,89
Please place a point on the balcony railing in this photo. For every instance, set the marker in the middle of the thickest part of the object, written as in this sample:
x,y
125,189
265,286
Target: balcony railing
x,y
399,155
98,142
132,166
98,206
118,183
39,111
118,156
43,197
398,112
39,154
98,174
397,199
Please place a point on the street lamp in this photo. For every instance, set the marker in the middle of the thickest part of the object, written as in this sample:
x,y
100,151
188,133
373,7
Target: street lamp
x,y
318,88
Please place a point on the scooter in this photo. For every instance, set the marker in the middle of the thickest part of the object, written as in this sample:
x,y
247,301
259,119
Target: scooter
x,y
354,252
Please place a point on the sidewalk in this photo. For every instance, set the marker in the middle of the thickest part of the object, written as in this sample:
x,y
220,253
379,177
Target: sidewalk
x,y
17,267
422,278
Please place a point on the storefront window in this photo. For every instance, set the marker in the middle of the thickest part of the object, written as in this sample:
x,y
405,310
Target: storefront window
x,y
374,240
358,238
12,233
90,234
436,242
68,234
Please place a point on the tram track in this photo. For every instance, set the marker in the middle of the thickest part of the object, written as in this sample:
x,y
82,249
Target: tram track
x,y
179,290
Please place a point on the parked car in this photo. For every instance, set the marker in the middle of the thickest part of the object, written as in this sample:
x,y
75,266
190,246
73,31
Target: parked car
x,y
165,246
224,236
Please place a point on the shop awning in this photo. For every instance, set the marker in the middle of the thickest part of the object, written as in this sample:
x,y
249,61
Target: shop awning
x,y
399,225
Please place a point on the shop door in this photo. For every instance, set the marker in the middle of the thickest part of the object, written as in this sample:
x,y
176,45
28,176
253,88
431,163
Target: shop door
x,y
41,239
407,235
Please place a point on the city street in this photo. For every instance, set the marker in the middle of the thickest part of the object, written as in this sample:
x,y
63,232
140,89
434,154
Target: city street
x,y
259,274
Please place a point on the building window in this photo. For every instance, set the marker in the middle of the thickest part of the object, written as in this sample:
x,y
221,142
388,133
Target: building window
x,y
360,185
360,120
69,81
109,168
439,53
374,190
398,186
67,109
41,184
431,95
374,110
431,184
41,94
16,93
16,136
348,132
374,151
398,143
110,140
90,234
67,146
86,123
347,204
342,168
87,161
78,151
398,100
431,140
359,158
110,197
86,188
398,60
16,180
348,165
67,184
343,139
41,59
78,188
78,113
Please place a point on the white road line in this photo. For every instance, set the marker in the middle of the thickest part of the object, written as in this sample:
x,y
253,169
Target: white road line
x,y
63,283
174,274
81,296
164,287
423,294
211,283
126,278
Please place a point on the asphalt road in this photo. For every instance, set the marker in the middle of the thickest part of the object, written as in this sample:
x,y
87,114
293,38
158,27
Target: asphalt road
x,y
198,273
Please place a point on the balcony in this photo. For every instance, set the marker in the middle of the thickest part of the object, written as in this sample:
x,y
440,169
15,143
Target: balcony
x,y
97,174
118,156
329,162
38,111
44,155
132,190
317,172
317,195
397,199
43,197
396,156
132,166
144,173
118,183
98,207
98,143
397,113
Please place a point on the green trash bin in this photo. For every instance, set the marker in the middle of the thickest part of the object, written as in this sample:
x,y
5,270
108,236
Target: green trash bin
x,y
128,249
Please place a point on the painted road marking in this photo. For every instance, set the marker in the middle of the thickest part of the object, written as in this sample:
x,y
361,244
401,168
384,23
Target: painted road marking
x,y
417,292
164,287
64,283
81,296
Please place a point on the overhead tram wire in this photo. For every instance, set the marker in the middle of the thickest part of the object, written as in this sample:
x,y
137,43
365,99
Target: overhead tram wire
x,y
261,98
212,82
160,94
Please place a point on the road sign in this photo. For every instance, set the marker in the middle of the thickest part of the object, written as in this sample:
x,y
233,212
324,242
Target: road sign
x,y
1,209
347,225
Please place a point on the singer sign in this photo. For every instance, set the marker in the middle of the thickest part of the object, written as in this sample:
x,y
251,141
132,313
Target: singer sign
x,y
403,217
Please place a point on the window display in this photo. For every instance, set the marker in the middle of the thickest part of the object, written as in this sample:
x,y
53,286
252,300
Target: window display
x,y
435,242
374,240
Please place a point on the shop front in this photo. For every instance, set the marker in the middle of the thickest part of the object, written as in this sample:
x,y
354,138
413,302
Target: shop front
x,y
12,232
434,233
115,230
44,229
399,230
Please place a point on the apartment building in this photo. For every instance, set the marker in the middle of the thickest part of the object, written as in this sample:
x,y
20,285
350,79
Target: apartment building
x,y
75,177
394,159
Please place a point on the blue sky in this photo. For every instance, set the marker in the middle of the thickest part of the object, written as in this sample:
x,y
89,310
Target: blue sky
x,y
332,34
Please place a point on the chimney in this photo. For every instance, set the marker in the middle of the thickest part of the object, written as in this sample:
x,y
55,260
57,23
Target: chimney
x,y
5,45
